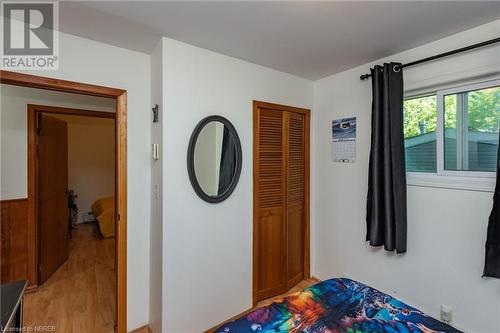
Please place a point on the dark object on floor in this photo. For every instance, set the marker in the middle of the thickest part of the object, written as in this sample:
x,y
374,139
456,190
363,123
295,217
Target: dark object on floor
x,y
12,305
73,211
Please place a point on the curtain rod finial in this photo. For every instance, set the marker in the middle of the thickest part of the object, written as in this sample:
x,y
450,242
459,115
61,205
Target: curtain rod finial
x,y
365,76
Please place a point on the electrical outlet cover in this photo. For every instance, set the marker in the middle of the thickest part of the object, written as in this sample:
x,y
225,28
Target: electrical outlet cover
x,y
446,314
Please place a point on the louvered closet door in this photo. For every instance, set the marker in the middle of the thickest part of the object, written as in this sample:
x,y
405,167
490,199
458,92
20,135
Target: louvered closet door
x,y
270,250
295,220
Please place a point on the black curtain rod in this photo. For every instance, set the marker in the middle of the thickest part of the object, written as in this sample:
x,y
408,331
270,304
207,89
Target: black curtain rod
x,y
441,55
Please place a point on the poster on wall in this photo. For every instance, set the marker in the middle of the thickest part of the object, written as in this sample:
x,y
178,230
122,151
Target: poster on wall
x,y
344,140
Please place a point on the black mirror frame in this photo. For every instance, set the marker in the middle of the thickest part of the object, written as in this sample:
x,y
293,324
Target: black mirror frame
x,y
190,160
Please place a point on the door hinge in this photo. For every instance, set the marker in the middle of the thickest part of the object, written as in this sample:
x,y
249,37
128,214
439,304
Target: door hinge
x,y
118,217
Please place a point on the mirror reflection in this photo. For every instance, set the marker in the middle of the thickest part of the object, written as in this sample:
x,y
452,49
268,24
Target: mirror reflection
x,y
215,158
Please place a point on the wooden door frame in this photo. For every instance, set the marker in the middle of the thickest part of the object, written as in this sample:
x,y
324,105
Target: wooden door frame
x,y
307,180
120,95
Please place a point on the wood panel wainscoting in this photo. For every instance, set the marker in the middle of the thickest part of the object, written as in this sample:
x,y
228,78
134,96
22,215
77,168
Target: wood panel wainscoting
x,y
14,247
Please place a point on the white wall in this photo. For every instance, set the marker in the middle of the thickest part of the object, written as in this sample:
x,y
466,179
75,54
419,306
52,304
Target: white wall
x,y
13,133
91,159
88,61
207,247
156,236
446,228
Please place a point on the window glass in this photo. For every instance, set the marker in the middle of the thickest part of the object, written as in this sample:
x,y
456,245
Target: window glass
x,y
420,124
471,124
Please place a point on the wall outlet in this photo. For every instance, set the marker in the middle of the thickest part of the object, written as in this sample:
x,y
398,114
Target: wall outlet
x,y
446,314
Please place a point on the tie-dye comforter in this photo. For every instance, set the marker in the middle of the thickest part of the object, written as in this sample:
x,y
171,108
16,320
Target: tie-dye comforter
x,y
336,305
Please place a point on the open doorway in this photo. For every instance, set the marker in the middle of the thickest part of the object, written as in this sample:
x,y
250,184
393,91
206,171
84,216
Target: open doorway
x,y
40,251
74,190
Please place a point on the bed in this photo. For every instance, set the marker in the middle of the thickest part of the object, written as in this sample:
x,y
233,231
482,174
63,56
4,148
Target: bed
x,y
104,211
336,305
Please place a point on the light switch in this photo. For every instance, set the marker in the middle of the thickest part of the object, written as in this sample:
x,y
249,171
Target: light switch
x,y
157,191
156,152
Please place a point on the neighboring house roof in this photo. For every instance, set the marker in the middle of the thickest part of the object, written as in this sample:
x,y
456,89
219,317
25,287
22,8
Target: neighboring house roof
x,y
474,136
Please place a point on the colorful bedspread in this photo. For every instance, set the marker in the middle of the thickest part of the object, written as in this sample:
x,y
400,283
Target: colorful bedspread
x,y
336,305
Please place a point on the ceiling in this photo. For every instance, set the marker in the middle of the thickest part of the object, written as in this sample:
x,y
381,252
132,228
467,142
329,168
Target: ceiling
x,y
308,39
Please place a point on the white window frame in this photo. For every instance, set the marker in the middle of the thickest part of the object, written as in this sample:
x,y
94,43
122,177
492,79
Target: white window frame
x,y
466,180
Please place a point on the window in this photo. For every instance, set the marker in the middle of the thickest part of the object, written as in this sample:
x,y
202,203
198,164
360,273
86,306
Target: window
x,y
471,121
454,131
420,125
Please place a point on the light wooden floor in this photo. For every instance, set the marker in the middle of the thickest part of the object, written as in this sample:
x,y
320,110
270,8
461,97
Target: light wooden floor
x,y
299,287
80,296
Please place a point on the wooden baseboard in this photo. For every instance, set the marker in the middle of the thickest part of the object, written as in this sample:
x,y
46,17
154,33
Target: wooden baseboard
x,y
143,329
31,289
211,330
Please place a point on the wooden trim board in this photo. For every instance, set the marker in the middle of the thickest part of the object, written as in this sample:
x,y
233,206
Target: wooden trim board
x,y
72,111
142,329
241,314
6,201
120,95
121,210
211,330
41,82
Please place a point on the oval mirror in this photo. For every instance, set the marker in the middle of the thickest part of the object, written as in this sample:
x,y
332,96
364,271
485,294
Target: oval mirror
x,y
214,159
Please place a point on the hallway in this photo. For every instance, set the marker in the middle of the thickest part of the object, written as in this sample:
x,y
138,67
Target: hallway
x,y
80,295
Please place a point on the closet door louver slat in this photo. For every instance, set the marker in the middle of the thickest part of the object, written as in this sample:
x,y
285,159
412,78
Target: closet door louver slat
x,y
271,202
295,199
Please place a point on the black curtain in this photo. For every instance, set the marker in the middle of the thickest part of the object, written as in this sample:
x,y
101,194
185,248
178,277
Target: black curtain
x,y
386,203
227,161
492,260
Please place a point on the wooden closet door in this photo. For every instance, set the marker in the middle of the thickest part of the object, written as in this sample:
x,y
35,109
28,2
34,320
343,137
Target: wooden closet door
x,y
281,199
270,198
295,230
